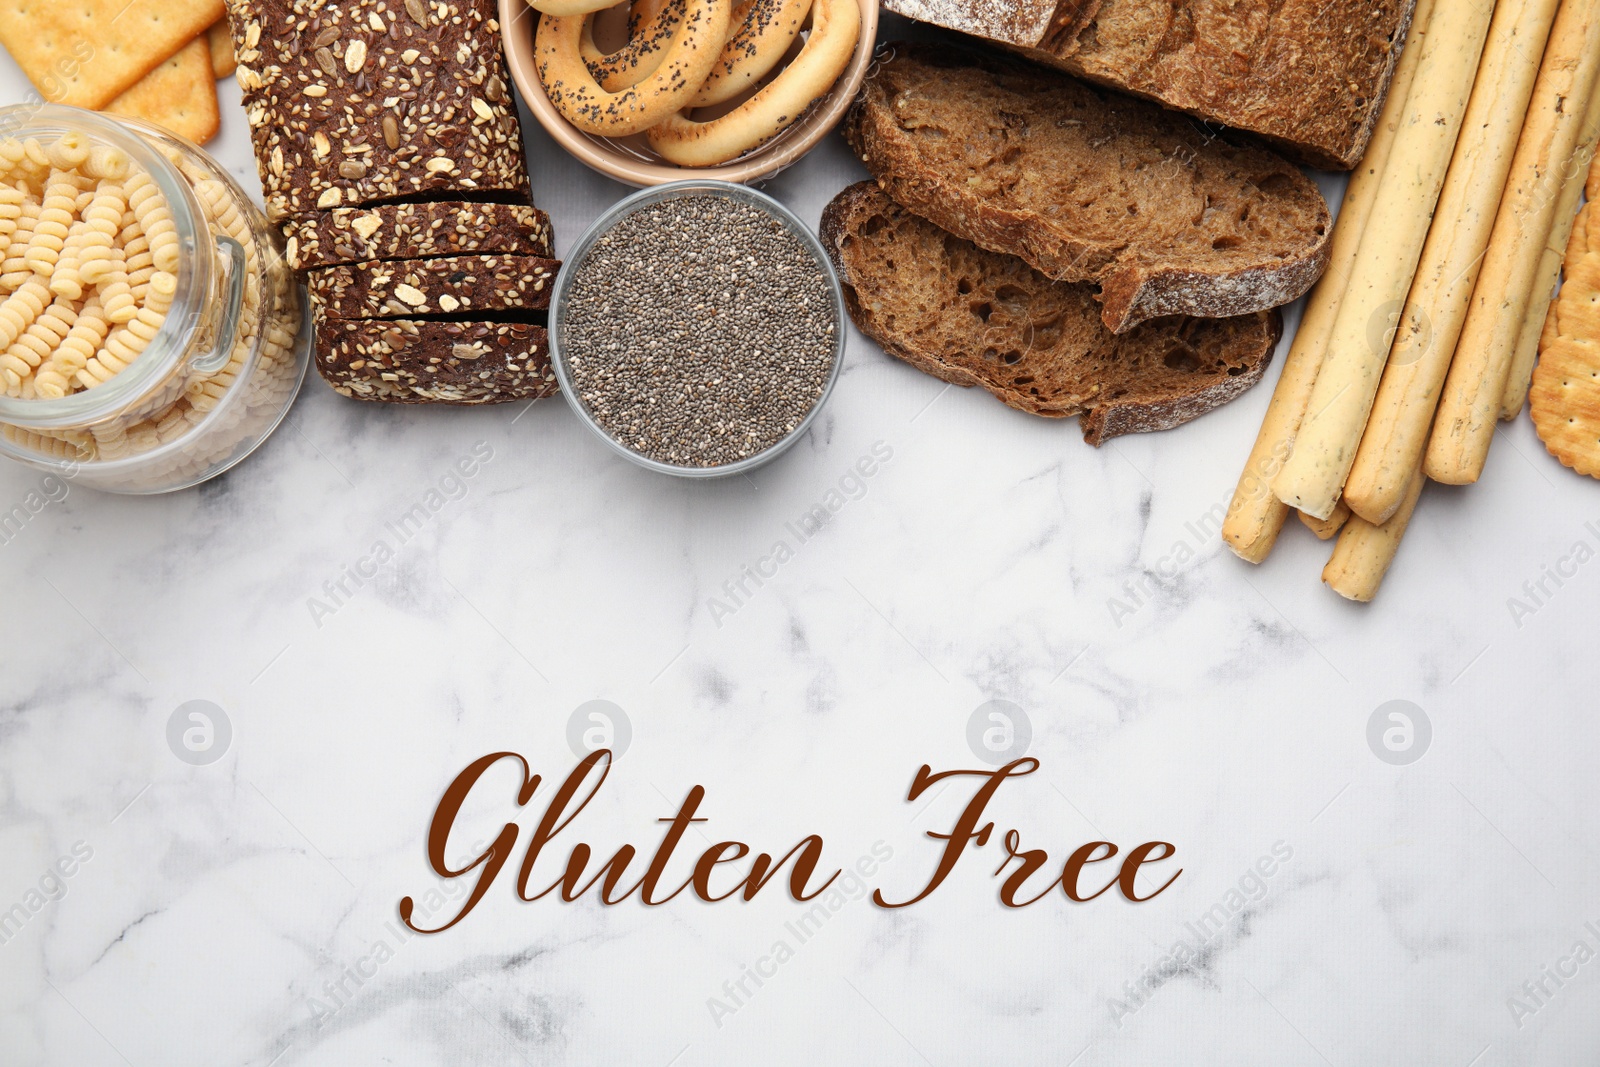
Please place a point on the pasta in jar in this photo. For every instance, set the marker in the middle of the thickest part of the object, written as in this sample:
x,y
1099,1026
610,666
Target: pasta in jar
x,y
151,333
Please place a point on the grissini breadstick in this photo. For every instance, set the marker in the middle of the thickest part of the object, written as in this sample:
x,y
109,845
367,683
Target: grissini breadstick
x,y
1326,528
1402,412
1364,551
1549,272
1256,515
1470,403
1358,345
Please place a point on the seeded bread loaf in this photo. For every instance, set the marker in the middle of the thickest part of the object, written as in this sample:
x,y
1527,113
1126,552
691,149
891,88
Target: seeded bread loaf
x,y
415,231
1088,185
1310,75
973,317
422,361
373,100
453,285
391,154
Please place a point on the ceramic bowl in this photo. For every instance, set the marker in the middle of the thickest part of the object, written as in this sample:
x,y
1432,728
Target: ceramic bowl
x,y
630,159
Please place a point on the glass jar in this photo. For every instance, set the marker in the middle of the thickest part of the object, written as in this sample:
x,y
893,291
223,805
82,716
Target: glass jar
x,y
221,369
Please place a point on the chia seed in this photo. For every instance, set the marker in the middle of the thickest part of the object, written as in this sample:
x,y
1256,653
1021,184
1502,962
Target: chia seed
x,y
699,331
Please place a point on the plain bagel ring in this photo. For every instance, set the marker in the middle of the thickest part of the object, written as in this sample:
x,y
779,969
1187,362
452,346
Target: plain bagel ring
x,y
835,31
651,24
763,32
574,92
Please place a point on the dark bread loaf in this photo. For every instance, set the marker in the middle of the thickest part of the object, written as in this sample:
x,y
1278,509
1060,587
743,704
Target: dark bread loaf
x,y
415,231
391,155
973,317
1087,185
370,100
452,285
424,361
1310,75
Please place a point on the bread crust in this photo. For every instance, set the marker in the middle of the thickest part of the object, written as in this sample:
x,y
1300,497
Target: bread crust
x,y
1137,281
1248,341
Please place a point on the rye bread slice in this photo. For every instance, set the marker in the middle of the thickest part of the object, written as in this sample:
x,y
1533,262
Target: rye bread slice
x,y
452,285
1309,75
1088,185
424,361
972,317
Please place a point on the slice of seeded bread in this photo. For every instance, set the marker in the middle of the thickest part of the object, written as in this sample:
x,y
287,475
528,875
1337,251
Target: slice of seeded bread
x,y
973,317
427,361
415,231
1088,185
453,285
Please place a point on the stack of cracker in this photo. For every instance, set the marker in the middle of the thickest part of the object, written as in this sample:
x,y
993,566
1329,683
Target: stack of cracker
x,y
157,60
391,156
1565,398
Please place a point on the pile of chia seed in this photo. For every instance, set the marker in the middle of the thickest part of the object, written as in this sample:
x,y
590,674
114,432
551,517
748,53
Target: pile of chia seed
x,y
699,331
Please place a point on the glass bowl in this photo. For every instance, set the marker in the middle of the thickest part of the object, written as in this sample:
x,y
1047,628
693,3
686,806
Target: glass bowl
x,y
655,195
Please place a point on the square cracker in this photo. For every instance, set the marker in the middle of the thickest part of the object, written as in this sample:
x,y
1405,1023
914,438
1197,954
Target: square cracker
x,y
180,94
1565,395
223,63
85,52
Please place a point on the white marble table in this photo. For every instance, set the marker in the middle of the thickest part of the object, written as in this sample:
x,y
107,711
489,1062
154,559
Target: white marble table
x,y
244,911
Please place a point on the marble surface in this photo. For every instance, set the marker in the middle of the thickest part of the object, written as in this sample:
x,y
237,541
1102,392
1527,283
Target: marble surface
x,y
245,911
